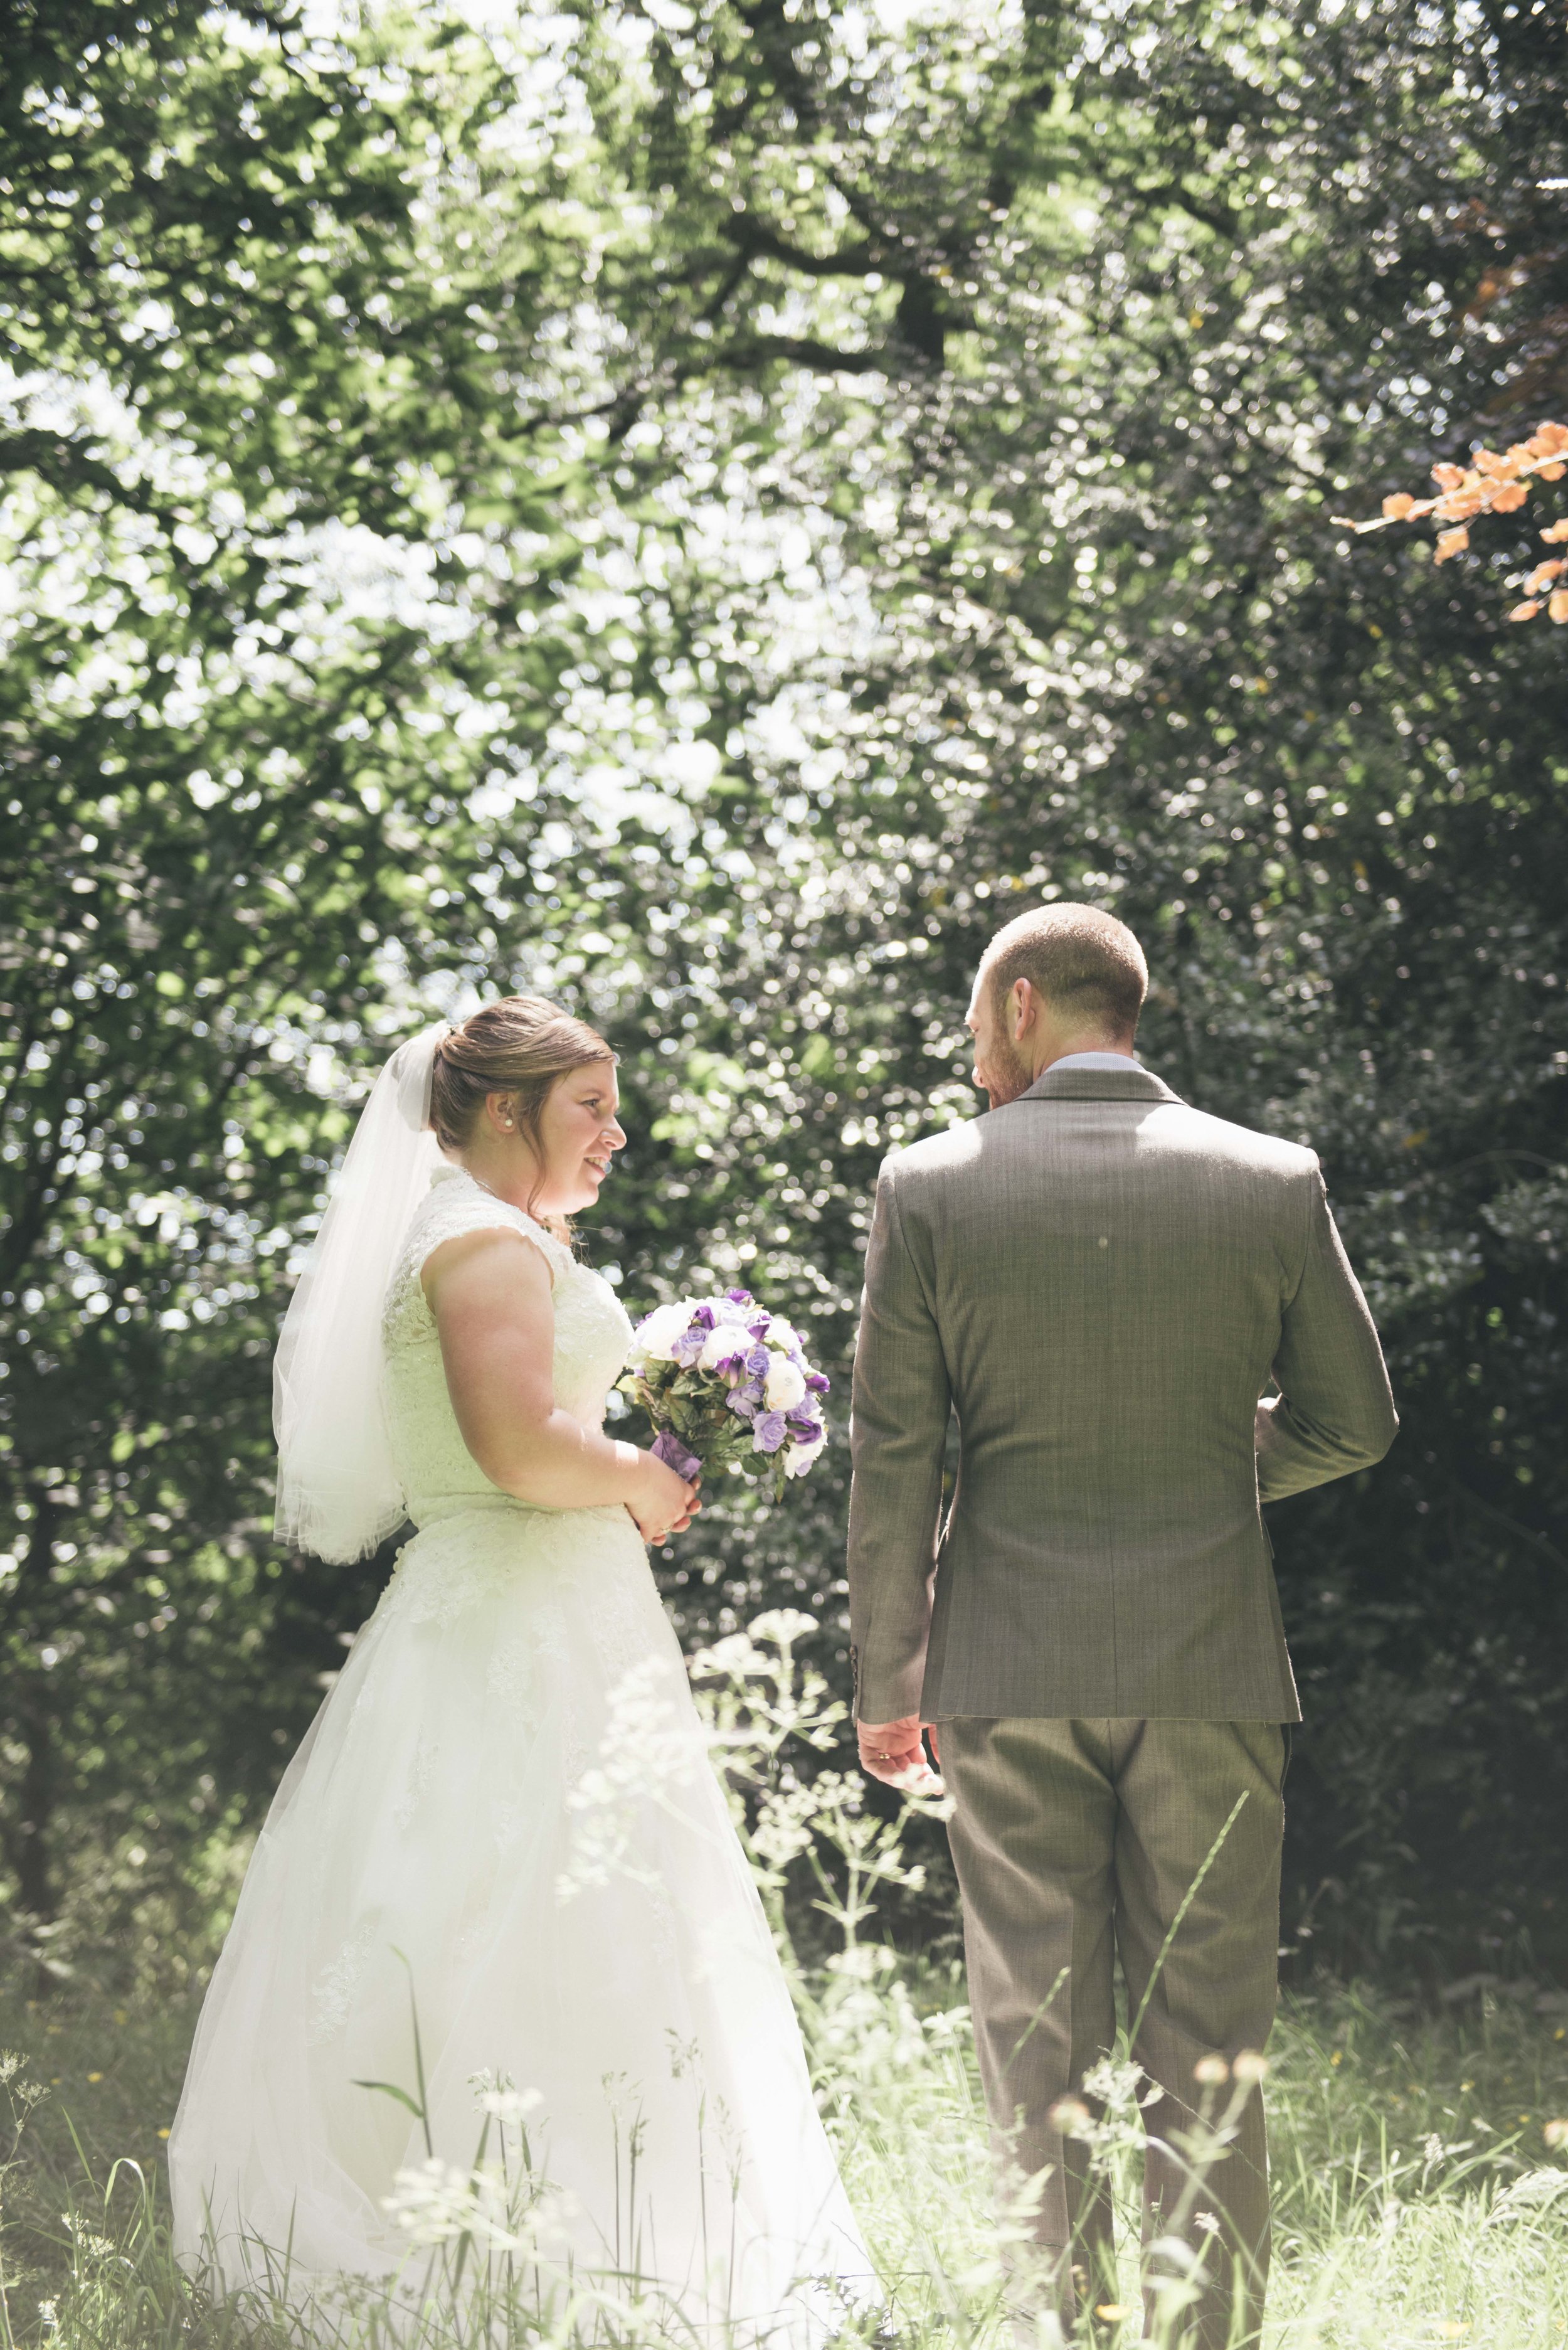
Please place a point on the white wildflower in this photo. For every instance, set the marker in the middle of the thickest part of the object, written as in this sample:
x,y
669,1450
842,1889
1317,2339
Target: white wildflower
x,y
735,1655
437,2203
506,2105
434,2201
784,1625
651,1754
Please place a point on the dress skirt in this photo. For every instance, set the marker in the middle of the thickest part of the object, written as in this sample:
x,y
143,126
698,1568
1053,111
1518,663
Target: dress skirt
x,y
499,1883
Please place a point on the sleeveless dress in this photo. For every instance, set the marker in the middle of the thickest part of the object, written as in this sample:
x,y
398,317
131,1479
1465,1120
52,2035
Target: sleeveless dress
x,y
503,1823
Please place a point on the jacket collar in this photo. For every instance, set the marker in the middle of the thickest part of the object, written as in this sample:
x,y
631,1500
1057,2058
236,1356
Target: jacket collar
x,y
1129,1085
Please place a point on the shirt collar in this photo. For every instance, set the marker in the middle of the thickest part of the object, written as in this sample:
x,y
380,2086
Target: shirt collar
x,y
1093,1061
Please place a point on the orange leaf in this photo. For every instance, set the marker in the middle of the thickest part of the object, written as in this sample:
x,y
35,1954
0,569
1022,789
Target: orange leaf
x,y
1450,542
1556,533
1448,477
1398,506
1552,472
1512,494
1527,610
1458,506
1542,576
1547,438
1557,605
1488,461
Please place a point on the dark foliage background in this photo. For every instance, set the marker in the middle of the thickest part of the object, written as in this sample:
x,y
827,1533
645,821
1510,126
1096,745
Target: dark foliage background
x,y
707,510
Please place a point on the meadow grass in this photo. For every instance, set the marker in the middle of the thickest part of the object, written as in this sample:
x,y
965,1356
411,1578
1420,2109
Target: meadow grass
x,y
1418,2199
1419,2147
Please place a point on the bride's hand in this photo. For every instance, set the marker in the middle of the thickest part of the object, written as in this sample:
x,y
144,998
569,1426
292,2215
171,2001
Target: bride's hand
x,y
664,1504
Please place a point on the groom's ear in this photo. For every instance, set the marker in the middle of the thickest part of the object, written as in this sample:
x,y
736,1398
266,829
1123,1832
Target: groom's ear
x,y
1022,1003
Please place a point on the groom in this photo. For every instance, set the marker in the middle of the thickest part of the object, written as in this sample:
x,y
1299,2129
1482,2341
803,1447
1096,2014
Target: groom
x,y
1099,1282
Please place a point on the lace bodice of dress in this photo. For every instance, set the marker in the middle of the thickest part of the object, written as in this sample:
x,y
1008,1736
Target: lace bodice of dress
x,y
441,1477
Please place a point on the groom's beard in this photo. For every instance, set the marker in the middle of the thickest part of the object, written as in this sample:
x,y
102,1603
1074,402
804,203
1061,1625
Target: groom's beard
x,y
1007,1074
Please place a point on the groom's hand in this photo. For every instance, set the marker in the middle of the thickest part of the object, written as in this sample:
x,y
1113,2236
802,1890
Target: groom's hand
x,y
893,1751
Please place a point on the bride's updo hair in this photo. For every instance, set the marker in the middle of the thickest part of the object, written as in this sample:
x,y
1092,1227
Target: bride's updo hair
x,y
520,1046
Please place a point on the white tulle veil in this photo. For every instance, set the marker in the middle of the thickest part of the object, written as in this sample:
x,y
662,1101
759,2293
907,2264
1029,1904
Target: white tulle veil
x,y
337,1490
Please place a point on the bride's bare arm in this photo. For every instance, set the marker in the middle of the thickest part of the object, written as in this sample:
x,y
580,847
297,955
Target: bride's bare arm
x,y
490,1294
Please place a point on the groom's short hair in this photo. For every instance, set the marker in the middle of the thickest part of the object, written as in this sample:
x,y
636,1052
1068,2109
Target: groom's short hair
x,y
1077,959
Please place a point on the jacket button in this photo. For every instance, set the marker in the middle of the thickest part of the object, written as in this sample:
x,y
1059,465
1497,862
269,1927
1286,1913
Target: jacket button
x,y
1105,1243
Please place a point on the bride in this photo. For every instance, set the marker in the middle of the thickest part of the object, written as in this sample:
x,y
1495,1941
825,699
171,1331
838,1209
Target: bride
x,y
498,1879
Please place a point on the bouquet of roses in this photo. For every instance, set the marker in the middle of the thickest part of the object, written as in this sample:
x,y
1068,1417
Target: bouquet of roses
x,y
724,1381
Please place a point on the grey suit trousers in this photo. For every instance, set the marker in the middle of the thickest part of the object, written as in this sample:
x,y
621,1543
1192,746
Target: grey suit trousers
x,y
1075,1842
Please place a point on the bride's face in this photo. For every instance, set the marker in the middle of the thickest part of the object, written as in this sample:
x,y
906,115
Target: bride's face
x,y
579,1136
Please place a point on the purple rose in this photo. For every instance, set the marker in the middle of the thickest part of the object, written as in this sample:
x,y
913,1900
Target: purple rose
x,y
803,1430
740,1296
742,1403
757,1363
817,1383
767,1431
669,1448
690,1345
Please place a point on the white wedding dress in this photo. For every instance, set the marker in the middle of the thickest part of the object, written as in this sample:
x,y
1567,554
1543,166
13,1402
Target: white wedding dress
x,y
504,1817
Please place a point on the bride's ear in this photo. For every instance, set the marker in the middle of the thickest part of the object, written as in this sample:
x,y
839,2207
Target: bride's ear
x,y
501,1109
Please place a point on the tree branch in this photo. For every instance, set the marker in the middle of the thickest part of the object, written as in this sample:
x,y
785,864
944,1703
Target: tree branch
x,y
855,261
801,350
733,278
1220,218
1470,1498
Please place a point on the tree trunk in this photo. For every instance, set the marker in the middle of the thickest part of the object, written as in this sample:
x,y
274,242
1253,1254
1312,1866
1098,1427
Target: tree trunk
x,y
29,1815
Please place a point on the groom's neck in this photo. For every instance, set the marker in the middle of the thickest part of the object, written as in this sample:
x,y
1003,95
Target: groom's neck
x,y
1028,1060
1049,1049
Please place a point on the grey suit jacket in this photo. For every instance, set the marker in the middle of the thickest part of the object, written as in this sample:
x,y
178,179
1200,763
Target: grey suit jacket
x,y
1100,1282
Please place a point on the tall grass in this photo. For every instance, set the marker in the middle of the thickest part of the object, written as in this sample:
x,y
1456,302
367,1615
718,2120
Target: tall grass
x,y
1421,2191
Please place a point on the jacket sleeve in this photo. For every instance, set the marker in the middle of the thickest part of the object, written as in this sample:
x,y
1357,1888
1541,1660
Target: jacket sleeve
x,y
897,1434
1334,1411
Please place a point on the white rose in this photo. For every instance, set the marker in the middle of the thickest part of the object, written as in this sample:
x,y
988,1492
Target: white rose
x,y
799,1457
786,1384
783,1334
723,1347
657,1335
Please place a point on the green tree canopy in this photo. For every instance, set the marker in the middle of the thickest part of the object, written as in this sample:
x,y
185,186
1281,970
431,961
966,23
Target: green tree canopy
x,y
706,509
